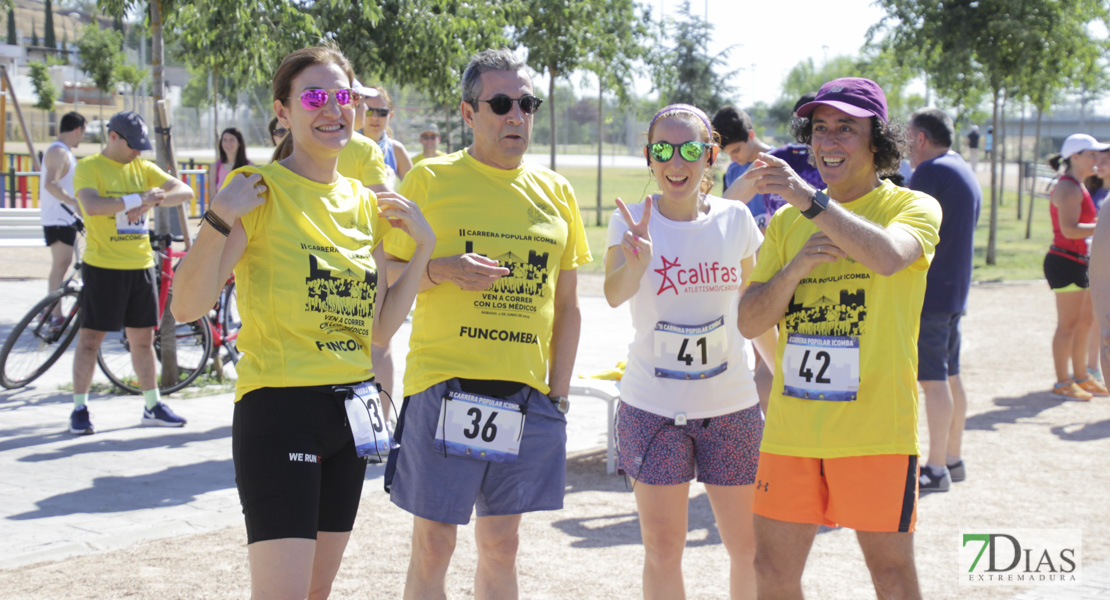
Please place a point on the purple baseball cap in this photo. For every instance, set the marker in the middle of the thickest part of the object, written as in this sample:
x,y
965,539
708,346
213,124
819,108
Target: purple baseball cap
x,y
856,96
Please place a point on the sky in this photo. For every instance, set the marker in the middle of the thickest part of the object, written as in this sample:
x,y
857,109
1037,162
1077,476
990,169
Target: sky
x,y
771,37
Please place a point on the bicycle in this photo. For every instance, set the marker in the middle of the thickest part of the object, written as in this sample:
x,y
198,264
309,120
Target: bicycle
x,y
39,340
195,341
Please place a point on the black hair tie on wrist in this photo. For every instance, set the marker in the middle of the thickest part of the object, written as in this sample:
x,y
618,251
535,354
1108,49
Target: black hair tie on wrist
x,y
217,223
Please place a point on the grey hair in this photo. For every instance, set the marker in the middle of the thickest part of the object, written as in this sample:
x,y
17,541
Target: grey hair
x,y
935,124
487,60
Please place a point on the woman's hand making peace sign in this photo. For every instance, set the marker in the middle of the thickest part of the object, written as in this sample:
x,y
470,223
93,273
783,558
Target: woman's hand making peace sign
x,y
636,245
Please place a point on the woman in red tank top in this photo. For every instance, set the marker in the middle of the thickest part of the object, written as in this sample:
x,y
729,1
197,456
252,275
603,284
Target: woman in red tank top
x,y
1065,266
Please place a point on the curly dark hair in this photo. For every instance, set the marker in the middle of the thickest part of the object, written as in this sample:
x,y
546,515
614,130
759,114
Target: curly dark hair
x,y
888,140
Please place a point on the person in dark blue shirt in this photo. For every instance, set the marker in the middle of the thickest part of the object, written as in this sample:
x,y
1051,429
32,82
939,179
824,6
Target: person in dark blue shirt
x,y
944,175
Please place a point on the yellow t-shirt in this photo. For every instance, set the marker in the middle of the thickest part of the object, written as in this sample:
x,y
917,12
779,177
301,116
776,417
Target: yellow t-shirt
x,y
363,160
846,379
112,242
307,282
527,219
419,156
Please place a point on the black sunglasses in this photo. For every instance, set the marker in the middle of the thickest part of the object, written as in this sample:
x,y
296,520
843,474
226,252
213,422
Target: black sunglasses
x,y
381,112
502,104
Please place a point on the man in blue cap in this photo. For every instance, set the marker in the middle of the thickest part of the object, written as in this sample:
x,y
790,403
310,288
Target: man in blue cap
x,y
116,191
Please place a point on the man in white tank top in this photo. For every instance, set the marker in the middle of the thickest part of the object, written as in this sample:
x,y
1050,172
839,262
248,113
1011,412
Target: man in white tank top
x,y
56,191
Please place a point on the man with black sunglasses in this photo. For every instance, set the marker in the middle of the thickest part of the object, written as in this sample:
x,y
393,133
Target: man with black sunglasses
x,y
116,191
494,337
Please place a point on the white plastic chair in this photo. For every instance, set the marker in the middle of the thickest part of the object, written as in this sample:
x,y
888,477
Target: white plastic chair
x,y
608,391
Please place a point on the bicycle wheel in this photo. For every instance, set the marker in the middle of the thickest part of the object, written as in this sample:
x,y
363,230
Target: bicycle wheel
x,y
230,321
36,343
194,345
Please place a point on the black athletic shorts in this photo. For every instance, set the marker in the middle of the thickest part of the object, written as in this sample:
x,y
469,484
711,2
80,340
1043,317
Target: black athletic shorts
x,y
1062,271
295,463
59,233
117,298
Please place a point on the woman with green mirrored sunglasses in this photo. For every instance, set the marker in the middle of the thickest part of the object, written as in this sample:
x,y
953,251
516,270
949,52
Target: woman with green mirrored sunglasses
x,y
689,403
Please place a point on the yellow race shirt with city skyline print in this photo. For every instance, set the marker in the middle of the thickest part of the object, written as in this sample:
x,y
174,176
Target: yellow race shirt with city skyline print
x,y
846,379
307,282
525,218
363,160
114,242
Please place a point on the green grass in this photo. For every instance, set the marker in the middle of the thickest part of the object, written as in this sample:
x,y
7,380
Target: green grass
x,y
1017,258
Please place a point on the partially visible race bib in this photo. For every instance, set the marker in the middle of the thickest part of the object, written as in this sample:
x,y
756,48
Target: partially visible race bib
x,y
479,427
691,351
821,367
368,425
125,226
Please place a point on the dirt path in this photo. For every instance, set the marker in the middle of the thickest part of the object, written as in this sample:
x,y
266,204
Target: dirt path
x,y
1033,462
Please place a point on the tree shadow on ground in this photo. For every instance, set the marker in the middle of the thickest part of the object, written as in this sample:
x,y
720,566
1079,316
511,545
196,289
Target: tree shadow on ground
x,y
586,473
161,440
173,486
1010,410
1083,432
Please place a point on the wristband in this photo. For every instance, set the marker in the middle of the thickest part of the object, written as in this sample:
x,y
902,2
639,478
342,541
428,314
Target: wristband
x,y
217,223
428,270
131,201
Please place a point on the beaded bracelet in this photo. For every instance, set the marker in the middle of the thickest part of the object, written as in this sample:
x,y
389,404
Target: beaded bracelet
x,y
217,223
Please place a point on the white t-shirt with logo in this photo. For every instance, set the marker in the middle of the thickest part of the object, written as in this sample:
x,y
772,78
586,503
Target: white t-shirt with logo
x,y
687,355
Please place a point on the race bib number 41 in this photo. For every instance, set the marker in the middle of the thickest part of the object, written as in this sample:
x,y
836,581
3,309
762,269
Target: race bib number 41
x,y
479,427
821,367
691,351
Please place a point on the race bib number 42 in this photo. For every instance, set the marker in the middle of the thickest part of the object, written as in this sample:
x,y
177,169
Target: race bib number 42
x,y
821,367
691,351
479,427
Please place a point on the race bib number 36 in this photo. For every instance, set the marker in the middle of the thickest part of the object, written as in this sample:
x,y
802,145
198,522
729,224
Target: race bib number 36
x,y
821,367
479,427
691,351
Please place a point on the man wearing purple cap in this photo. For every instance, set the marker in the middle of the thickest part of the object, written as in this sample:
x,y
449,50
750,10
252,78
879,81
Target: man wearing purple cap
x,y
116,192
843,275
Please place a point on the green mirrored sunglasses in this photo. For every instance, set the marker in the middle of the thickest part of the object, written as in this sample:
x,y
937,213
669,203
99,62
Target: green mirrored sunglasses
x,y
690,151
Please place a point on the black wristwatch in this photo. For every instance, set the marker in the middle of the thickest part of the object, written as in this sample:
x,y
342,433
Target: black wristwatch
x,y
820,203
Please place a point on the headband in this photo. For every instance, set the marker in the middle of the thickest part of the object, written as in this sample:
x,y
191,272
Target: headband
x,y
697,112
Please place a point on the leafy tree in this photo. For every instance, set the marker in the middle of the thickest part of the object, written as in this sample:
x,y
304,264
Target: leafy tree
x,y
556,32
34,34
45,90
389,41
1009,48
684,71
133,77
616,45
101,57
48,38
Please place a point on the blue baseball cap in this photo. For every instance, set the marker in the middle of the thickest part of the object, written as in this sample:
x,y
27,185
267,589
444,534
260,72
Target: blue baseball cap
x,y
130,126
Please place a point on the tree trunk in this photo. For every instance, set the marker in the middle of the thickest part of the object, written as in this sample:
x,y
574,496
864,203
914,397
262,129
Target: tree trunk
x,y
447,130
991,240
1000,147
1021,157
1032,186
600,140
551,99
168,338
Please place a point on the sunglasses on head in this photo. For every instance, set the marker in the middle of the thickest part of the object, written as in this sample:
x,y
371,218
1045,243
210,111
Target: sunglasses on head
x,y
502,104
690,151
316,98
381,112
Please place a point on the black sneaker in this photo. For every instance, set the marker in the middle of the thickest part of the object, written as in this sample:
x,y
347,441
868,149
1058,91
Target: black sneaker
x,y
957,471
928,481
79,422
